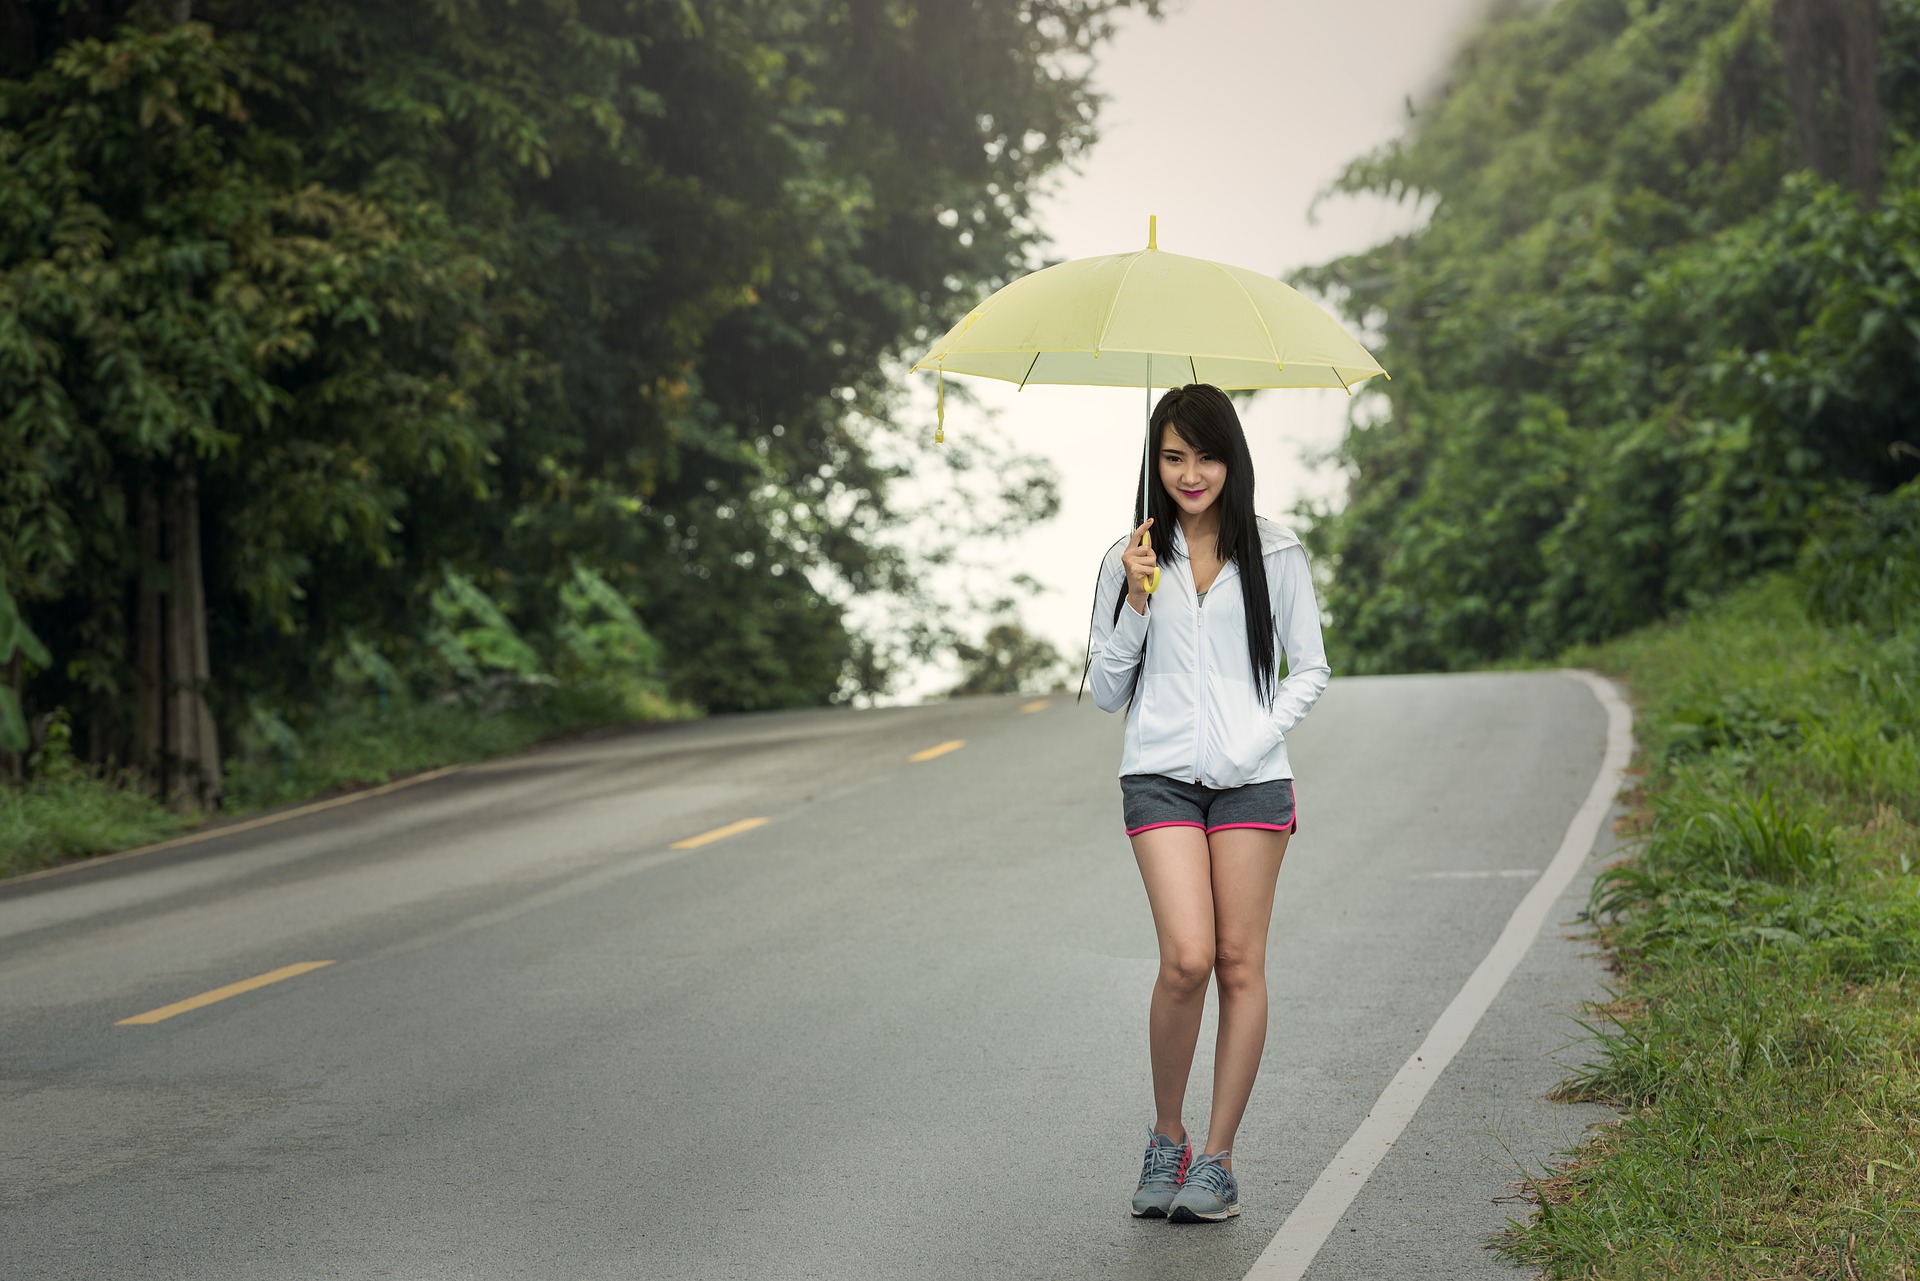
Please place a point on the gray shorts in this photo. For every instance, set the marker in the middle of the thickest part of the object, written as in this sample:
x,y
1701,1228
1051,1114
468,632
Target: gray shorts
x,y
1154,800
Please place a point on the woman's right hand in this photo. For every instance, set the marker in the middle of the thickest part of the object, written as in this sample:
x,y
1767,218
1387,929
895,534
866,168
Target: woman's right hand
x,y
1140,563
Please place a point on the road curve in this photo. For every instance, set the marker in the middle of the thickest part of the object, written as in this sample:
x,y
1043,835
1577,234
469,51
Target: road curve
x,y
896,1030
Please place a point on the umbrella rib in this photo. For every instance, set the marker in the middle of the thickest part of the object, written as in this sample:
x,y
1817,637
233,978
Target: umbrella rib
x,y
1099,339
1251,306
1029,373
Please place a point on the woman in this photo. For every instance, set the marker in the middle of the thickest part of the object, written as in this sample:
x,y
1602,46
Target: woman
x,y
1207,786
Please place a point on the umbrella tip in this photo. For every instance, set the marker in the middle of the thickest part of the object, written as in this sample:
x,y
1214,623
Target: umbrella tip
x,y
1153,231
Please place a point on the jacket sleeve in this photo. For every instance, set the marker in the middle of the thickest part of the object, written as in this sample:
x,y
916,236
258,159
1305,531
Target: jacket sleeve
x,y
1296,617
1114,648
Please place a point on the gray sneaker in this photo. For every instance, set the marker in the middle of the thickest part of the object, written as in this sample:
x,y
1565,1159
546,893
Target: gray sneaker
x,y
1160,1174
1208,1194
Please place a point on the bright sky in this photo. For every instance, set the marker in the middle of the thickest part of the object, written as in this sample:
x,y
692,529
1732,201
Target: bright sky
x,y
1224,119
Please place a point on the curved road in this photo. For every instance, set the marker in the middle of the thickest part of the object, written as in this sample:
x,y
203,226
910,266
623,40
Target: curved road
x,y
895,1031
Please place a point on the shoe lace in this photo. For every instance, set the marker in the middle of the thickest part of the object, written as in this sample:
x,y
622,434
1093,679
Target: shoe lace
x,y
1210,1175
1164,1162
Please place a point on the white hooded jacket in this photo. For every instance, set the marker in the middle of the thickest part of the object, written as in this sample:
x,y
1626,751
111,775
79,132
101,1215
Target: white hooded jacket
x,y
1182,670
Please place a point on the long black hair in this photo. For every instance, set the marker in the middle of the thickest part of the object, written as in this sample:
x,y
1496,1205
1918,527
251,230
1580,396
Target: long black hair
x,y
1203,416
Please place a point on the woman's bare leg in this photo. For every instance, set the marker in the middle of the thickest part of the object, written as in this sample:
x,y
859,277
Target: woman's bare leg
x,y
1245,867
1176,866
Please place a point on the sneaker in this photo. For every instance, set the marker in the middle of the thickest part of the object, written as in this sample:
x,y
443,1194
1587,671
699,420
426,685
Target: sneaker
x,y
1208,1194
1160,1174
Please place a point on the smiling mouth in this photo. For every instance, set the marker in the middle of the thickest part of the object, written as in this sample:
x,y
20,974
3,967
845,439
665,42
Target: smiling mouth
x,y
1193,493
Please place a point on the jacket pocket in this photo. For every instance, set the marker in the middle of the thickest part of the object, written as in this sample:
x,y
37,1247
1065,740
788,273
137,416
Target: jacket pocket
x,y
1240,738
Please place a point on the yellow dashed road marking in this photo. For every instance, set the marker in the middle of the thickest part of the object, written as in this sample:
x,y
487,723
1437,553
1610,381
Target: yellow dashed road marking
x,y
222,993
952,745
1039,706
718,834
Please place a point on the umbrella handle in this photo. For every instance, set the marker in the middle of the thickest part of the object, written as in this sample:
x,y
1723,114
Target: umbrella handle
x,y
1152,583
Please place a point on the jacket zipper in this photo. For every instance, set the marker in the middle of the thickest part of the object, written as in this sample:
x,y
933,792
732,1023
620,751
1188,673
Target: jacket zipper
x,y
1200,682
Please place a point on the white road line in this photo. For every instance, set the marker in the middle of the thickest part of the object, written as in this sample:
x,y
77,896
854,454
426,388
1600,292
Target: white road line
x,y
1479,875
1292,1250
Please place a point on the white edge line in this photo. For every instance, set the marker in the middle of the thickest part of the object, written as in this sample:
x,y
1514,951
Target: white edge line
x,y
1293,1249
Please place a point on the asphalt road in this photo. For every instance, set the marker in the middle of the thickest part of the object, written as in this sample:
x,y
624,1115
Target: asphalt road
x,y
896,1031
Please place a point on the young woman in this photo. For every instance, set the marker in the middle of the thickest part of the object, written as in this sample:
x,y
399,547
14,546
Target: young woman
x,y
1204,774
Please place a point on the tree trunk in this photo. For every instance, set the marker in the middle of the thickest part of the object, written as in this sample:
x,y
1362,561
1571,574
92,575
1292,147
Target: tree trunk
x,y
149,662
175,743
193,747
13,765
1831,52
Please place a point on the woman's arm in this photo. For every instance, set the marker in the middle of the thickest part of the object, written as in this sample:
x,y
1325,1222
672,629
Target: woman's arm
x,y
1296,615
1114,648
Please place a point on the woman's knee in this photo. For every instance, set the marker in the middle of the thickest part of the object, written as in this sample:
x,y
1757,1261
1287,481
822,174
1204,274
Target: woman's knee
x,y
1240,968
1185,968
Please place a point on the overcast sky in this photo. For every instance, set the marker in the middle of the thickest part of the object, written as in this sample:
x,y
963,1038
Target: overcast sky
x,y
1224,119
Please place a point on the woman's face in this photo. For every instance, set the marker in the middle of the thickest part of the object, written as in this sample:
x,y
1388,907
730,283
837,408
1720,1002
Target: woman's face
x,y
1193,477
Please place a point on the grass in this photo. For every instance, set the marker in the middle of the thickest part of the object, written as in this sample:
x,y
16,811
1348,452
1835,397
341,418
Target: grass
x,y
68,812
1764,1039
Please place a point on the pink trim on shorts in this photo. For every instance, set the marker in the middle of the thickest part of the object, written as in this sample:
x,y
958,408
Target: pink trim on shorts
x,y
1178,822
1293,824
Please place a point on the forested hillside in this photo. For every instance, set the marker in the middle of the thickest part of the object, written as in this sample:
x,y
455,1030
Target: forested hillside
x,y
464,342
1655,358
1664,319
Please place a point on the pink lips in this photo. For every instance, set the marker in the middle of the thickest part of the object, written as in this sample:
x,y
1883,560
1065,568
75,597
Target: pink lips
x,y
1193,493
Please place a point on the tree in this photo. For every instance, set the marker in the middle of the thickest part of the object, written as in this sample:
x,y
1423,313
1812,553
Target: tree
x,y
327,299
1636,345
201,342
1011,660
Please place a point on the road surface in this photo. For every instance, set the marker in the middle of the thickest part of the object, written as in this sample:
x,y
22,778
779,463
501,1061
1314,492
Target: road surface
x,y
898,1030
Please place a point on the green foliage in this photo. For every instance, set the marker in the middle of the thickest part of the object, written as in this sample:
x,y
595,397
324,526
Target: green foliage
x,y
1767,928
68,809
1755,837
1636,350
1769,1134
1728,724
1010,660
354,743
17,641
496,294
599,632
475,687
473,637
1864,565
49,821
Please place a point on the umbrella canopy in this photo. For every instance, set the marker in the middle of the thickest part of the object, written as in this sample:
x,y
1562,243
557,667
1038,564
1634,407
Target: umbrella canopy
x,y
1151,319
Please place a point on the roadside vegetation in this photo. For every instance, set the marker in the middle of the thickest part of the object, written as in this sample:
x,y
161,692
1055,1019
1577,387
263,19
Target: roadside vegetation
x,y
312,312
1665,307
1654,352
1764,1037
321,319
474,687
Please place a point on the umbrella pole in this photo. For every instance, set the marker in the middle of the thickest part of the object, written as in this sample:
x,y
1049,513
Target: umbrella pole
x,y
1146,456
1146,465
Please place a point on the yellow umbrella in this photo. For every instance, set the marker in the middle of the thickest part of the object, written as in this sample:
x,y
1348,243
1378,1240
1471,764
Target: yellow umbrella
x,y
1149,319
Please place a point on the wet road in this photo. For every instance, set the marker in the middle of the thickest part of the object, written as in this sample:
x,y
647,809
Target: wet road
x,y
895,1030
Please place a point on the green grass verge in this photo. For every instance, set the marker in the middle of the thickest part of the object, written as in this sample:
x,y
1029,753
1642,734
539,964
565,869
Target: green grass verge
x,y
1764,1039
67,812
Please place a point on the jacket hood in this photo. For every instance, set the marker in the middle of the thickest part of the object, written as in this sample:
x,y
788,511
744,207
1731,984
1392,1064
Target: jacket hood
x,y
1274,536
